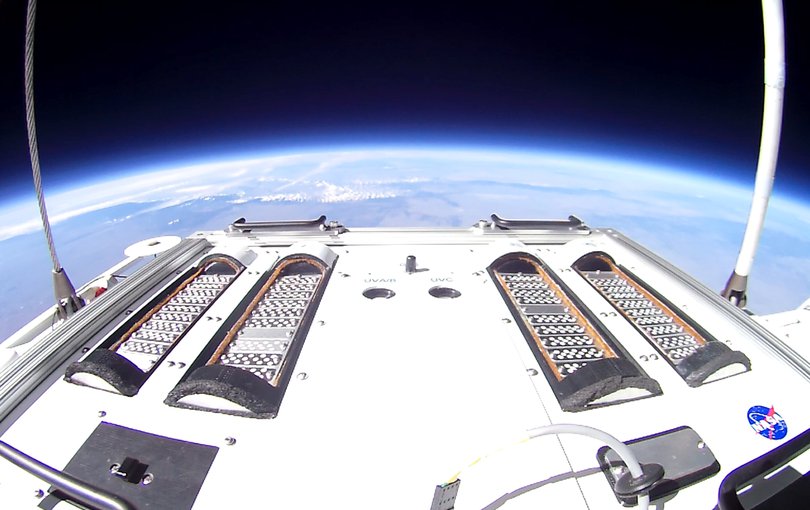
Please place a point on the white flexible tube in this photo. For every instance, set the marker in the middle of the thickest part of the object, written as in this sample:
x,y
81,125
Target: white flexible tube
x,y
620,448
774,31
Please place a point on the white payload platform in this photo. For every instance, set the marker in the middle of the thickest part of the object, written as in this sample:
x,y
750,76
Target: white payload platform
x,y
309,365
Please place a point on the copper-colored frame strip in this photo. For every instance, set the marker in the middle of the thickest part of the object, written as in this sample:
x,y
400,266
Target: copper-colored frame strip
x,y
589,329
171,295
667,310
234,330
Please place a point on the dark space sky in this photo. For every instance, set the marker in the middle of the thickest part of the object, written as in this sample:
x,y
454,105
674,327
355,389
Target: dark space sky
x,y
121,84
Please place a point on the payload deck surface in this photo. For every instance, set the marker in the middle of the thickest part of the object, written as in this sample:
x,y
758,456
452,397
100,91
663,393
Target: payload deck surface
x,y
311,366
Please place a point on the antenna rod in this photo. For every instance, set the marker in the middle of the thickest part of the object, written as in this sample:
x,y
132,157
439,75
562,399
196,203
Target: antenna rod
x,y
773,21
66,300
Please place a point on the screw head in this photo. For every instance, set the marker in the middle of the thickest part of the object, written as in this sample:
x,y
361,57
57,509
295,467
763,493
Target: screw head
x,y
506,320
102,414
39,493
147,478
303,376
230,441
531,371
114,468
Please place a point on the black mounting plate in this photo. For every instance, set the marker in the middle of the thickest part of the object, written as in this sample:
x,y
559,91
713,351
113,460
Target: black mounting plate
x,y
683,454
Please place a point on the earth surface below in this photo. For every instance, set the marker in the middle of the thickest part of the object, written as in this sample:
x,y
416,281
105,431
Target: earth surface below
x,y
693,220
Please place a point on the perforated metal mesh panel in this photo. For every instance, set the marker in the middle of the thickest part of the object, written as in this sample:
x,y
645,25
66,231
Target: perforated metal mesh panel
x,y
262,344
563,335
664,328
673,338
149,342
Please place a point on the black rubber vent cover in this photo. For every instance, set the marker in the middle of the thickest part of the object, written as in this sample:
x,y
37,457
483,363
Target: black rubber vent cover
x,y
234,385
113,368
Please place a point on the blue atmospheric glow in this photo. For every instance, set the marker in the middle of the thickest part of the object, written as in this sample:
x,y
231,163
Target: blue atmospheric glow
x,y
665,205
640,162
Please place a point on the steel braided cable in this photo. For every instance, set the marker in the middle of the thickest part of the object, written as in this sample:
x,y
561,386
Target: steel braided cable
x,y
32,128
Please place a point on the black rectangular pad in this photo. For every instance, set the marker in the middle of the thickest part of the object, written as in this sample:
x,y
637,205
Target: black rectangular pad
x,y
177,468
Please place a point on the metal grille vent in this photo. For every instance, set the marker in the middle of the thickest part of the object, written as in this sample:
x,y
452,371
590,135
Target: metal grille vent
x,y
262,343
695,355
583,363
564,336
670,334
129,354
249,361
152,338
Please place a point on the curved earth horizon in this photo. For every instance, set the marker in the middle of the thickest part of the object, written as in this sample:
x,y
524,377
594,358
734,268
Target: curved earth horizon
x,y
688,217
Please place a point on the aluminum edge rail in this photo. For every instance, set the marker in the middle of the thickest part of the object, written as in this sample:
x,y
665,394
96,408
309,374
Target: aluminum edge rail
x,y
36,364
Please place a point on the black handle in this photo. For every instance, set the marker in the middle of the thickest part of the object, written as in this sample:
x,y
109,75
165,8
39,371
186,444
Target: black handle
x,y
727,498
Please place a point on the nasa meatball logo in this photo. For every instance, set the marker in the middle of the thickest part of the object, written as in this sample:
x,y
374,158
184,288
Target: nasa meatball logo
x,y
767,423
